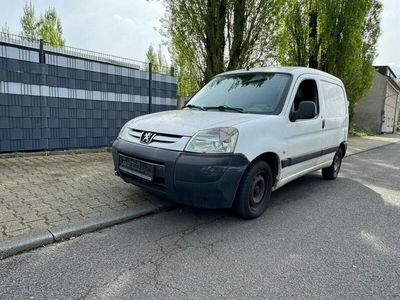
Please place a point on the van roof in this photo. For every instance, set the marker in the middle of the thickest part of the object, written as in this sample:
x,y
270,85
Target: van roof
x,y
295,71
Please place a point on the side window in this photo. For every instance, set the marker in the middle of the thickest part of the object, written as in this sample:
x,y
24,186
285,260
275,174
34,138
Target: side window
x,y
307,91
335,100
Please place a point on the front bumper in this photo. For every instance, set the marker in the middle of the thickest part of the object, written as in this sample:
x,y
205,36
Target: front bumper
x,y
201,180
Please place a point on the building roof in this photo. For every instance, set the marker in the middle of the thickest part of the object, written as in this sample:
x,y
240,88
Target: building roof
x,y
386,70
390,75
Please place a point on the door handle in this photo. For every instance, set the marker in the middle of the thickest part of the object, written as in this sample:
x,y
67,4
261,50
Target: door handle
x,y
323,123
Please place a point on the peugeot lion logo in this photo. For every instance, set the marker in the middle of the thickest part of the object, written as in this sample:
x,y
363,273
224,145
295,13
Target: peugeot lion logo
x,y
147,137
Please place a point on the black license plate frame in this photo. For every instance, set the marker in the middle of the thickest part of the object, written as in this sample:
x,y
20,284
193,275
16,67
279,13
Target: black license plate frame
x,y
136,167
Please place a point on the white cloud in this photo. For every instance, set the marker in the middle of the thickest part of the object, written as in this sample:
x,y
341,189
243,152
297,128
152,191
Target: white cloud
x,y
124,19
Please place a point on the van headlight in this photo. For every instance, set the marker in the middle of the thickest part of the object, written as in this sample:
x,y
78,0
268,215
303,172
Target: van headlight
x,y
214,140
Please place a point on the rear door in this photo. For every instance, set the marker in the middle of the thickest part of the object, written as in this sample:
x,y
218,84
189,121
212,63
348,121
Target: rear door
x,y
303,137
335,121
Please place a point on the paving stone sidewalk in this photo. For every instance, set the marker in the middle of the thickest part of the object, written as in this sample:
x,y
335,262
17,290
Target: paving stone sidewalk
x,y
41,192
357,145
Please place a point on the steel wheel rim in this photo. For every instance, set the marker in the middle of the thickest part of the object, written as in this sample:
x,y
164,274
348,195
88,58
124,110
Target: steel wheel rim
x,y
258,190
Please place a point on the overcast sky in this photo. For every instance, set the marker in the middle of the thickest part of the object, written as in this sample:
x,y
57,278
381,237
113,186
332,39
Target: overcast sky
x,y
127,27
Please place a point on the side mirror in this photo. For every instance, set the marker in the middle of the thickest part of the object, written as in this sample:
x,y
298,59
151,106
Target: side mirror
x,y
306,110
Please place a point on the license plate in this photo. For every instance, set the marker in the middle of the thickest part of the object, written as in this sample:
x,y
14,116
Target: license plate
x,y
136,167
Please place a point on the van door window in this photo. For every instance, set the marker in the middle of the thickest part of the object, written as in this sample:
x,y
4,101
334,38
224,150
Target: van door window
x,y
307,91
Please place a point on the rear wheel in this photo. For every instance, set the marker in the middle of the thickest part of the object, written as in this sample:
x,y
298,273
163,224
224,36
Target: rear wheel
x,y
332,171
254,191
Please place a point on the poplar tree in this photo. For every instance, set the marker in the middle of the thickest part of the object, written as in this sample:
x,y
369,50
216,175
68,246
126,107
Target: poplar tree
x,y
29,22
336,36
207,37
48,27
157,60
151,57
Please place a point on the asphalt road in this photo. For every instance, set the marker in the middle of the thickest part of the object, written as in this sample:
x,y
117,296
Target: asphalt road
x,y
318,239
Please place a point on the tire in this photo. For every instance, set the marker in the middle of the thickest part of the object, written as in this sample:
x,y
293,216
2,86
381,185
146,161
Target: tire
x,y
332,171
254,191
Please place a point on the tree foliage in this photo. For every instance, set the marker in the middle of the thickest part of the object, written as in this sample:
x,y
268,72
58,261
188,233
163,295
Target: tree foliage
x,y
157,59
207,37
5,29
29,22
151,57
337,36
48,27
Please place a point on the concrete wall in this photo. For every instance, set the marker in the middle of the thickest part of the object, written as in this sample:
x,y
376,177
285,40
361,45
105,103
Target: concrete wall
x,y
368,113
71,102
390,110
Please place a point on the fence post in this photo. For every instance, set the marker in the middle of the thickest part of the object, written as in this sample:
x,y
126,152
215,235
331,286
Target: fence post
x,y
150,79
41,52
45,115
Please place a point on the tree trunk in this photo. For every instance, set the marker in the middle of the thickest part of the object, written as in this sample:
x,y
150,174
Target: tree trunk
x,y
239,23
314,45
215,37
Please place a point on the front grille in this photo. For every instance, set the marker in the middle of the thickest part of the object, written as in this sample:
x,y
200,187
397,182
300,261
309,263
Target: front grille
x,y
159,137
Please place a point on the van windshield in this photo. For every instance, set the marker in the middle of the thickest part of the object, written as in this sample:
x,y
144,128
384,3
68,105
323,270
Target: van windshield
x,y
248,93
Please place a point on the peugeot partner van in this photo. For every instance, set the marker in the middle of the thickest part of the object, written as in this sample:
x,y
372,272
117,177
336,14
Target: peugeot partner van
x,y
243,135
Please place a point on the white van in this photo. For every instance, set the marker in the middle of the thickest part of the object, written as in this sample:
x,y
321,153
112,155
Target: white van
x,y
242,136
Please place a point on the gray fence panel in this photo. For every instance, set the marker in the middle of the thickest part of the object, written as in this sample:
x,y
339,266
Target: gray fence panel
x,y
71,102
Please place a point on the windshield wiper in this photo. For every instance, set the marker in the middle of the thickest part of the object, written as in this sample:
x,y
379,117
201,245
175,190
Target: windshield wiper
x,y
194,106
225,108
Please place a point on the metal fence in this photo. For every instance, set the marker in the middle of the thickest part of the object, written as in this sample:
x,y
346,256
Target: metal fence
x,y
66,97
83,53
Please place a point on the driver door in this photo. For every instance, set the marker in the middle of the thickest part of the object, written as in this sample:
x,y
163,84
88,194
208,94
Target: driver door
x,y
303,136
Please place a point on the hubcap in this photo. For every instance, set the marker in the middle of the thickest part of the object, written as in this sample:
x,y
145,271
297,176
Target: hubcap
x,y
258,190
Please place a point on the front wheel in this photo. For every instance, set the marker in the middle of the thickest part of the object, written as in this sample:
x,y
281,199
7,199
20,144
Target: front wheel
x,y
254,191
332,171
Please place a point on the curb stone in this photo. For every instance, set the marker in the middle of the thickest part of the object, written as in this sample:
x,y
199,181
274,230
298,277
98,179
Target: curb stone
x,y
25,242
61,233
57,234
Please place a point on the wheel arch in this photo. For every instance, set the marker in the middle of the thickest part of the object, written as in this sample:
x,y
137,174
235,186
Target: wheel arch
x,y
274,162
343,147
